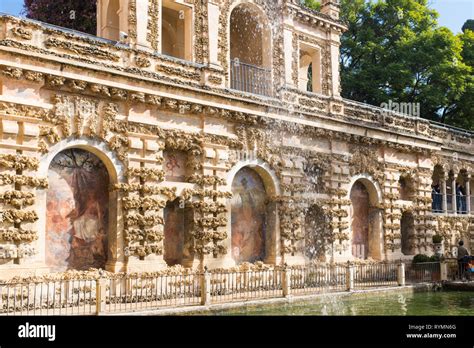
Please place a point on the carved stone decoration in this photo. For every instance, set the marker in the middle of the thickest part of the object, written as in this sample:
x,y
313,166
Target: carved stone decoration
x,y
364,160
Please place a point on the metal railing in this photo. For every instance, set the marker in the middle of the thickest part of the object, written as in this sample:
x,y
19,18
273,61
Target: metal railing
x,y
461,204
137,292
250,78
315,279
227,286
375,275
422,272
460,270
64,297
122,293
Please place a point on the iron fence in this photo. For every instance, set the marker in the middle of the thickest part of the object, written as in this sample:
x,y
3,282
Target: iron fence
x,y
137,292
422,272
316,279
65,297
227,286
250,78
116,293
375,275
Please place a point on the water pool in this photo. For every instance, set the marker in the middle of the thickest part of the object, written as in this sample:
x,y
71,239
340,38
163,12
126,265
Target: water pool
x,y
419,303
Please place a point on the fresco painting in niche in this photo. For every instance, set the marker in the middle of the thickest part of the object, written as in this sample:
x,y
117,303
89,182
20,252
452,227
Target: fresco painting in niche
x,y
77,211
175,162
360,220
174,234
178,240
249,216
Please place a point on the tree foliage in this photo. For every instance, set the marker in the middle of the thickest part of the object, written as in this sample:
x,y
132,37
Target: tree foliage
x,y
312,4
395,50
469,25
73,14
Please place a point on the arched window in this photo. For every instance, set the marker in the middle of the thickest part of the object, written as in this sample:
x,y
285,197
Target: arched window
x,y
250,50
436,189
461,192
77,211
309,75
407,225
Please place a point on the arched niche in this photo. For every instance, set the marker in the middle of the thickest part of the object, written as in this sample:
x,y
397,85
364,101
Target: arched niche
x,y
253,216
407,226
114,168
250,35
178,240
111,18
250,50
309,73
78,222
366,219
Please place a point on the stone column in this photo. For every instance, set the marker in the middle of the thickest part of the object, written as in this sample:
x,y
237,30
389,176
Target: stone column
x,y
444,203
100,288
401,274
349,277
205,288
444,270
468,194
286,281
453,194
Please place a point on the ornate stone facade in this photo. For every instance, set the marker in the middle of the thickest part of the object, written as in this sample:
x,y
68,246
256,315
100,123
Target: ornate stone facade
x,y
127,103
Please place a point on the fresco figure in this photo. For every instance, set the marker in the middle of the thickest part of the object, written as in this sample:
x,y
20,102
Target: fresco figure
x,y
249,217
175,165
77,211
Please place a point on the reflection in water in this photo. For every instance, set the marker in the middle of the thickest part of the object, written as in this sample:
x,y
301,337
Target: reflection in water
x,y
423,303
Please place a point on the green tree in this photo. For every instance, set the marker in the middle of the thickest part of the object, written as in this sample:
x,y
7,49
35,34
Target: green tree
x,y
395,50
312,4
73,14
469,25
462,113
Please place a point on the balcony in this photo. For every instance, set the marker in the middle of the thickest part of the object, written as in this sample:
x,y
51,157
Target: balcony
x,y
461,204
250,78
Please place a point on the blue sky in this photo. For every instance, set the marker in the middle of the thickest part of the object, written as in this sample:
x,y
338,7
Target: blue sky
x,y
453,13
